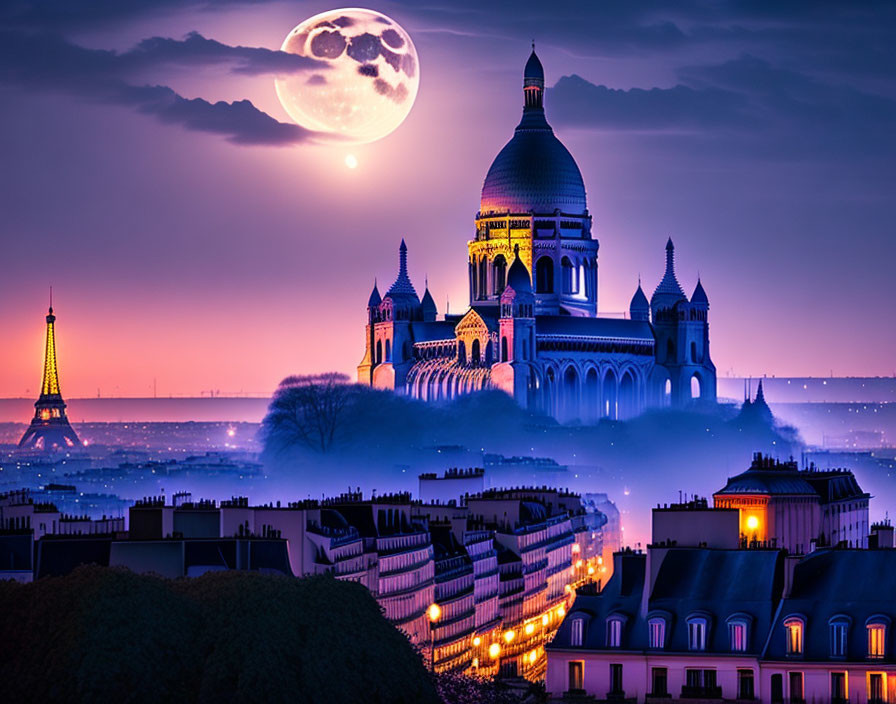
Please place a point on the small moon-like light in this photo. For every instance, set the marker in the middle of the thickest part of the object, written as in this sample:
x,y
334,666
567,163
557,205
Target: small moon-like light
x,y
351,161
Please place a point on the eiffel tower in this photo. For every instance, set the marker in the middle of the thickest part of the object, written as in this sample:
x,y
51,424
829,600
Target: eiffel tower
x,y
49,428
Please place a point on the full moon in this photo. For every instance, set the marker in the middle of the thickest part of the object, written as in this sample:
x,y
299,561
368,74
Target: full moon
x,y
369,82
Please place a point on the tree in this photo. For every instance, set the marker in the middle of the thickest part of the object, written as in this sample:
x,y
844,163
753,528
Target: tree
x,y
307,410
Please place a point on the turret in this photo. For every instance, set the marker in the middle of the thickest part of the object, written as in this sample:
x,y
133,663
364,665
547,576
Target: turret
x,y
533,81
639,309
699,300
430,312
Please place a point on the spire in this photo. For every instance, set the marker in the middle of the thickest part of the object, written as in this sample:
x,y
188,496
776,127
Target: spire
x,y
639,308
699,298
760,394
50,384
430,312
533,82
375,298
669,285
402,285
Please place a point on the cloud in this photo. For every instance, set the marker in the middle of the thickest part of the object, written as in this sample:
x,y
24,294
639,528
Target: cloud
x,y
197,50
747,102
46,62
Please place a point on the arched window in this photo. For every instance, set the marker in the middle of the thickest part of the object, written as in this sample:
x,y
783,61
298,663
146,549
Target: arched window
x,y
670,351
544,275
697,633
614,632
577,632
738,634
694,352
489,354
474,353
483,279
388,351
504,349
877,637
793,630
839,631
379,351
656,632
568,275
695,387
499,268
461,352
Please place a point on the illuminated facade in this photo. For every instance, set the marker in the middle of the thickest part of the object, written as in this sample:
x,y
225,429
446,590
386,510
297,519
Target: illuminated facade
x,y
792,508
532,329
49,428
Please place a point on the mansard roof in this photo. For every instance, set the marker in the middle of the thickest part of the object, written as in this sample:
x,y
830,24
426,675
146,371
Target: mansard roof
x,y
832,583
719,585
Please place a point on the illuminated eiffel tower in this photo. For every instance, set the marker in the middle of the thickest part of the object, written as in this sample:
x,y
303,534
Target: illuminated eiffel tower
x,y
49,428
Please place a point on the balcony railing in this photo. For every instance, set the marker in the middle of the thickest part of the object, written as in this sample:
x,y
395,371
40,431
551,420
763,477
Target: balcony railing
x,y
701,692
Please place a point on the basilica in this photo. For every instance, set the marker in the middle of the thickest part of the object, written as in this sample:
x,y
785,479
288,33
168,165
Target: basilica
x,y
532,328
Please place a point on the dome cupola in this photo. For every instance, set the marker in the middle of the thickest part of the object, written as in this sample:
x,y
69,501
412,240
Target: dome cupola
x,y
534,172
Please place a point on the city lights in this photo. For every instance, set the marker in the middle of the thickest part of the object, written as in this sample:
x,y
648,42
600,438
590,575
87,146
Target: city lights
x,y
434,612
477,641
530,627
509,636
494,651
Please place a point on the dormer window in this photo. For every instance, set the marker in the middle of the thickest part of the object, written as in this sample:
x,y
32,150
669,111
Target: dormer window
x,y
877,638
697,633
737,636
839,626
614,632
793,628
656,632
577,632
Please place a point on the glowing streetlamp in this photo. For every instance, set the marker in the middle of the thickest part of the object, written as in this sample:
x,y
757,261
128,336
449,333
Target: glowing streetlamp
x,y
561,612
590,569
545,620
494,651
433,613
530,627
477,641
509,636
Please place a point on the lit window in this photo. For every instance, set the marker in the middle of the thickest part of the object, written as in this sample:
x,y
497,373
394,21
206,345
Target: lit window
x,y
656,629
737,635
794,632
838,637
577,632
614,633
697,634
877,640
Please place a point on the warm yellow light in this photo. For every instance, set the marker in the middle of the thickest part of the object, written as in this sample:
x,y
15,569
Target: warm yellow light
x,y
561,612
530,627
545,620
600,560
475,662
567,589
533,656
494,650
752,523
590,569
579,564
576,548
351,161
434,612
477,641
509,635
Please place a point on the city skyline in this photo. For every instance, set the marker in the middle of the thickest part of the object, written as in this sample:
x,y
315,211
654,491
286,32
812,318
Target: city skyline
x,y
754,139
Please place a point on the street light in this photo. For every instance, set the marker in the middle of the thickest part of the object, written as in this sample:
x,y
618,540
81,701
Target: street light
x,y
494,650
433,613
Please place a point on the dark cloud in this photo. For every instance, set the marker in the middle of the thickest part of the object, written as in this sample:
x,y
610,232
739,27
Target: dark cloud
x,y
43,62
746,102
197,50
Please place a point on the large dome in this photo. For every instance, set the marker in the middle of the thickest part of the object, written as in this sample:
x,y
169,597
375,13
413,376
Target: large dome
x,y
534,171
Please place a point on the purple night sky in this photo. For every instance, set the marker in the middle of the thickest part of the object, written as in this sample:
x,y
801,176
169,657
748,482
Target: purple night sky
x,y
208,247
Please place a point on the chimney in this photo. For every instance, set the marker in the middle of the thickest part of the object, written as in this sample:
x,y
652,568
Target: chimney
x,y
790,563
